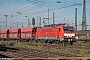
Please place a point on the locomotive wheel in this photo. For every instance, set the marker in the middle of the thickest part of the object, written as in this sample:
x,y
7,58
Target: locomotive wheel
x,y
57,42
46,41
36,41
27,40
20,40
51,42
71,43
64,44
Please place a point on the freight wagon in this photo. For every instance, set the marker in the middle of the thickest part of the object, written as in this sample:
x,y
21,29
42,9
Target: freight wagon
x,y
83,35
14,33
28,33
4,34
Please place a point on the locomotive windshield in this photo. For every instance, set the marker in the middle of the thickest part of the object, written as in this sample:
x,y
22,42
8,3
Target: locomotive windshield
x,y
68,29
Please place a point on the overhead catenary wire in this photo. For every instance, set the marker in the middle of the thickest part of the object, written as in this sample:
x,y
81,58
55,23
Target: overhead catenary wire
x,y
50,10
63,15
43,12
39,11
20,9
4,1
46,10
29,10
24,8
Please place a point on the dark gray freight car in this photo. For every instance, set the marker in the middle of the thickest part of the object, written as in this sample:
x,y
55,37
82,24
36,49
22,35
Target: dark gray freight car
x,y
83,35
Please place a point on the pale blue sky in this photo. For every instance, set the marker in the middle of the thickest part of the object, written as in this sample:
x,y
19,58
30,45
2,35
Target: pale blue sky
x,y
34,8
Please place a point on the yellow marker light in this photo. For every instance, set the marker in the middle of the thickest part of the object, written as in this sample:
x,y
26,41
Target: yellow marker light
x,y
62,38
69,40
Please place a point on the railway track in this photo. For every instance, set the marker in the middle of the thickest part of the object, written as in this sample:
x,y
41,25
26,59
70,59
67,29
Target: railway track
x,y
48,46
77,50
34,53
44,51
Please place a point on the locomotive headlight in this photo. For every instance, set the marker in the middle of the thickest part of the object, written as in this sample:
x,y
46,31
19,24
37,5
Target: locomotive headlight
x,y
62,38
71,39
69,35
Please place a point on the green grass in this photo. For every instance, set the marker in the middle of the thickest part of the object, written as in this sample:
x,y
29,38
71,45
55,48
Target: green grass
x,y
86,44
7,43
82,52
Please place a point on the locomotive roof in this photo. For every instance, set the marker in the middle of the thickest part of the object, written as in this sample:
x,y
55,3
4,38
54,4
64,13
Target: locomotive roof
x,y
54,25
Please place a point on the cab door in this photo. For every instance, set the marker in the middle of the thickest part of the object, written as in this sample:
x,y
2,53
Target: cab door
x,y
60,36
58,32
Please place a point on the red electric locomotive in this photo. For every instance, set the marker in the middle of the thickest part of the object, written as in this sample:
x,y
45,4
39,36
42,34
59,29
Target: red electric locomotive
x,y
56,33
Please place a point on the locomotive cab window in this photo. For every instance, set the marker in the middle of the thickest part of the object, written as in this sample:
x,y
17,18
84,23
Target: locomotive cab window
x,y
71,29
68,29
